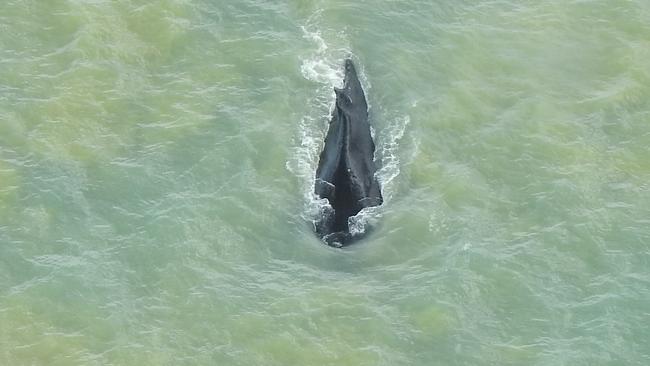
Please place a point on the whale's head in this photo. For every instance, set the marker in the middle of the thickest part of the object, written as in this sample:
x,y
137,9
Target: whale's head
x,y
352,91
351,81
349,68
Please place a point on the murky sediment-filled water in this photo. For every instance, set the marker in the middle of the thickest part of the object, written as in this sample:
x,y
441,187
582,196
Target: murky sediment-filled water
x,y
157,161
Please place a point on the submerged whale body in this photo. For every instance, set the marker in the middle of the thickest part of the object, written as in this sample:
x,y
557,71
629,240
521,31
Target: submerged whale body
x,y
346,170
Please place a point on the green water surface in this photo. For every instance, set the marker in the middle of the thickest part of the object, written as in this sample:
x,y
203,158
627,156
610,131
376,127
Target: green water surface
x,y
157,157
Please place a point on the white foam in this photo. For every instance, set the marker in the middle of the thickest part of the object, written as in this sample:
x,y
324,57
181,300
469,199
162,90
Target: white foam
x,y
322,66
388,148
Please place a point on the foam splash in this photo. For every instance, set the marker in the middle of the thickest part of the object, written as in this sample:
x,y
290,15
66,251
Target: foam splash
x,y
388,148
318,67
321,66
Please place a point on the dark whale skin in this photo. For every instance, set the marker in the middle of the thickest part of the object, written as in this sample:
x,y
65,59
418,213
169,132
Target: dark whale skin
x,y
346,168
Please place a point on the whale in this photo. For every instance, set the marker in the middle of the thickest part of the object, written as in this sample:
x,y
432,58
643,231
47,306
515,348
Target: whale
x,y
345,176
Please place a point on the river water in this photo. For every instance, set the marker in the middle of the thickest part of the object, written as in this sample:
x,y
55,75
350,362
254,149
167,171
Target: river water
x,y
157,161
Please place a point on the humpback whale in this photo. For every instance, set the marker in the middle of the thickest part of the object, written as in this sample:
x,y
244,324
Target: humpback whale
x,y
346,169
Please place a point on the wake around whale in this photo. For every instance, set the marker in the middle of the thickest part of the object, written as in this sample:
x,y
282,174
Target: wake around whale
x,y
346,169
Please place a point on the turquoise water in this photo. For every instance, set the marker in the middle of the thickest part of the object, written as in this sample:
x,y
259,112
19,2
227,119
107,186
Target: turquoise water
x,y
157,159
